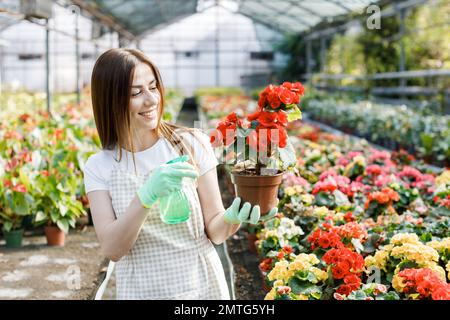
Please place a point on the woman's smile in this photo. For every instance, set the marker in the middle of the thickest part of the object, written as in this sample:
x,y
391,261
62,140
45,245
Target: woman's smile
x,y
149,114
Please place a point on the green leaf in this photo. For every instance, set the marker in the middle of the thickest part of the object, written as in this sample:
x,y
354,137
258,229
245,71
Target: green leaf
x,y
391,295
324,199
63,225
7,226
340,198
287,156
40,216
303,287
357,245
54,216
62,209
24,179
294,113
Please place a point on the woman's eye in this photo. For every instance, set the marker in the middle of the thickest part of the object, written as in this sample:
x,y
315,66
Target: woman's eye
x,y
136,93
153,88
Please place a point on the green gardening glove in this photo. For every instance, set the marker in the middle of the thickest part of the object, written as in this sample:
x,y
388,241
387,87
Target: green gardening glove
x,y
235,216
166,179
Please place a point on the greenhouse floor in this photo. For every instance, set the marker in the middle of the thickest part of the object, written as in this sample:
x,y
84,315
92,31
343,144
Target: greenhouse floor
x,y
39,272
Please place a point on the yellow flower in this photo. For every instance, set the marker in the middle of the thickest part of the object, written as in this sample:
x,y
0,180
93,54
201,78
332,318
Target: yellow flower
x,y
381,257
338,216
270,233
443,179
419,253
360,160
398,283
307,199
271,294
439,246
401,238
289,191
320,274
313,259
301,297
369,261
321,211
278,283
279,271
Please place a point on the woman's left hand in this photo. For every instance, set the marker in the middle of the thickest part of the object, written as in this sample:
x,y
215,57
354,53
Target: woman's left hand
x,y
235,216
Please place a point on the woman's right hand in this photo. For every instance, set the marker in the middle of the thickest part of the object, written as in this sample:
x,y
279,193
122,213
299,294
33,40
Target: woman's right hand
x,y
165,179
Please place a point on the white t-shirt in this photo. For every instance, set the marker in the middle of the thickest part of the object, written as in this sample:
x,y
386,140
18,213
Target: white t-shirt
x,y
98,168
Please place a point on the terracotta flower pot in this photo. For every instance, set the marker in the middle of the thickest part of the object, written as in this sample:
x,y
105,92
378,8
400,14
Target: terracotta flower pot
x,y
55,236
261,190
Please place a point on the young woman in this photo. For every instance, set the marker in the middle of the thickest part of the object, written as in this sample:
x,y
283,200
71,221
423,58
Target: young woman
x,y
125,180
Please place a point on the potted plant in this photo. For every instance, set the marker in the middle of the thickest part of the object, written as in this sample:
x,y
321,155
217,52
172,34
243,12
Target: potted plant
x,y
15,204
259,148
57,207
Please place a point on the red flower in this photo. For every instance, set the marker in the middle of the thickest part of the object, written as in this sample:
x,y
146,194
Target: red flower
x,y
349,217
226,130
264,136
266,264
324,186
353,281
7,183
24,117
280,255
274,100
287,96
45,173
20,188
288,249
338,272
344,290
425,282
324,242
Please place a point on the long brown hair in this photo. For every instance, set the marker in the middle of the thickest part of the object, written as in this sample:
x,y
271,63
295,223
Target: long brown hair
x,y
111,82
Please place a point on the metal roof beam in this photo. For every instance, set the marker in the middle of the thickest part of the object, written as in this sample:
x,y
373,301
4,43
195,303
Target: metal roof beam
x,y
276,26
276,10
104,18
340,5
301,6
288,15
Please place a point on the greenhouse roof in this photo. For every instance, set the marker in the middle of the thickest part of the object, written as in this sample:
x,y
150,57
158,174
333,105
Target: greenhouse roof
x,y
297,15
140,16
133,18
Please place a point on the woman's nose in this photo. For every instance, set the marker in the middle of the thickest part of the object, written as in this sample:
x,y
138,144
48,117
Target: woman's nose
x,y
151,97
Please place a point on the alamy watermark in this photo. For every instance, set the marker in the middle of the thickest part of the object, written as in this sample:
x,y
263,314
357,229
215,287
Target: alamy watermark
x,y
374,20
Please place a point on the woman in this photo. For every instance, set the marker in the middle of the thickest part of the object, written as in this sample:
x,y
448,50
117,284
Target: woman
x,y
155,260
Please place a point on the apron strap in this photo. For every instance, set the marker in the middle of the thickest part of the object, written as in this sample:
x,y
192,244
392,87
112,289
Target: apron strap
x,y
101,289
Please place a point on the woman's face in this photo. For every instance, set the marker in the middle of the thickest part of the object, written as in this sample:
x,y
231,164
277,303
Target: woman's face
x,y
145,99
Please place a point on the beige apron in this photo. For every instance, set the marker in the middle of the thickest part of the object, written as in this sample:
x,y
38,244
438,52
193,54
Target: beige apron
x,y
167,261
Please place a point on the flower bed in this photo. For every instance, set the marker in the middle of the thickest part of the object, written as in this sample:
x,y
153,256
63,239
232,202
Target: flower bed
x,y
343,213
376,222
427,136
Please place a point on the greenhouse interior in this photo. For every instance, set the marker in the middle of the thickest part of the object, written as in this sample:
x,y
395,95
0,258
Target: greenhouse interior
x,y
279,150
